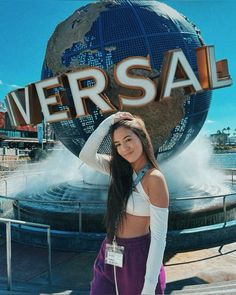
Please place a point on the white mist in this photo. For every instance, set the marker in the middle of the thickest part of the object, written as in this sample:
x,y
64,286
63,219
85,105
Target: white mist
x,y
191,170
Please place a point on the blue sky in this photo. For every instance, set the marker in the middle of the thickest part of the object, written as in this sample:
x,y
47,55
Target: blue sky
x,y
26,26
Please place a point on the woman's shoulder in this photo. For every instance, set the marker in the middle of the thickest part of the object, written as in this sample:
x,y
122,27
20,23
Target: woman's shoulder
x,y
155,174
157,188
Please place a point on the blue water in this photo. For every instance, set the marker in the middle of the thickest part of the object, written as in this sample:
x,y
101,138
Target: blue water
x,y
223,160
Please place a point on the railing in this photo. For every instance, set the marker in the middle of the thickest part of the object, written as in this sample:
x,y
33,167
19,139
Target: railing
x,y
81,203
8,223
10,165
78,203
210,197
231,171
23,173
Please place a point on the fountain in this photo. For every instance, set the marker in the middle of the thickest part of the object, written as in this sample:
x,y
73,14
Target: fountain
x,y
60,204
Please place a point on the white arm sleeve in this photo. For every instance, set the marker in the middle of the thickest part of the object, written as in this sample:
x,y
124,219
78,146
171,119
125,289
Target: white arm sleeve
x,y
89,153
158,228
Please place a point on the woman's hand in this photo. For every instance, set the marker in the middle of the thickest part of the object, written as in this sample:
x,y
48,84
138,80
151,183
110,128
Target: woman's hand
x,y
122,116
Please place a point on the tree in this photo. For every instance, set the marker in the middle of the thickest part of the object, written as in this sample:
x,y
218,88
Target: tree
x,y
37,155
221,137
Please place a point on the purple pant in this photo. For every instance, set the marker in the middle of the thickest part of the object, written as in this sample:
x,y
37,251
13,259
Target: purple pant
x,y
130,278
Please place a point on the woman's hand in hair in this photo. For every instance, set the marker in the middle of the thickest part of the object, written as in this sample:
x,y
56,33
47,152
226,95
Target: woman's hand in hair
x,y
122,116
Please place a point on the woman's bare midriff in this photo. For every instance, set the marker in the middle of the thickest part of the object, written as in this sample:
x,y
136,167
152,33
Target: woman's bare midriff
x,y
133,226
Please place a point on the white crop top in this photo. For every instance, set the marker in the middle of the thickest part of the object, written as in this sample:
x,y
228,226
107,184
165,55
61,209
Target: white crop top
x,y
138,203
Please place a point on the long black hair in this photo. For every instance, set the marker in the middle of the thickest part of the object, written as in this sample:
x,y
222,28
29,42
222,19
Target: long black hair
x,y
121,179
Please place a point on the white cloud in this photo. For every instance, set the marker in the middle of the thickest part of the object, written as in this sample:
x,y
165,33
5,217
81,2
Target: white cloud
x,y
15,86
210,122
9,85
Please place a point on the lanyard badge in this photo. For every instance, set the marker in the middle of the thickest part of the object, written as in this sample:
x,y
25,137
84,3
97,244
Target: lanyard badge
x,y
114,254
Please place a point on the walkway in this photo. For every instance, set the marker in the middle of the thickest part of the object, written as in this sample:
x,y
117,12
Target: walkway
x,y
72,271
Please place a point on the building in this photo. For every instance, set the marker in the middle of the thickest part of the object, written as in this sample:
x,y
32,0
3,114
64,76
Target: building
x,y
23,137
232,140
219,138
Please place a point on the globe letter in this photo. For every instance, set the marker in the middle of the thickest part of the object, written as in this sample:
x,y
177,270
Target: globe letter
x,y
48,102
94,92
211,74
176,73
123,78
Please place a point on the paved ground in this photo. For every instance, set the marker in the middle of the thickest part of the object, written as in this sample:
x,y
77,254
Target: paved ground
x,y
202,266
73,270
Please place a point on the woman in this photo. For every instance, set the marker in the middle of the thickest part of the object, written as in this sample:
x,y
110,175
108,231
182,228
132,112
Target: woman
x,y
130,258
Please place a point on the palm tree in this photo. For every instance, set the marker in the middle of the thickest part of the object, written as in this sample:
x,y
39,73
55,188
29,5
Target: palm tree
x,y
219,137
228,134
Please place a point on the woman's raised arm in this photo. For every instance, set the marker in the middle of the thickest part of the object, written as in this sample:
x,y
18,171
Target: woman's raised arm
x,y
89,154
